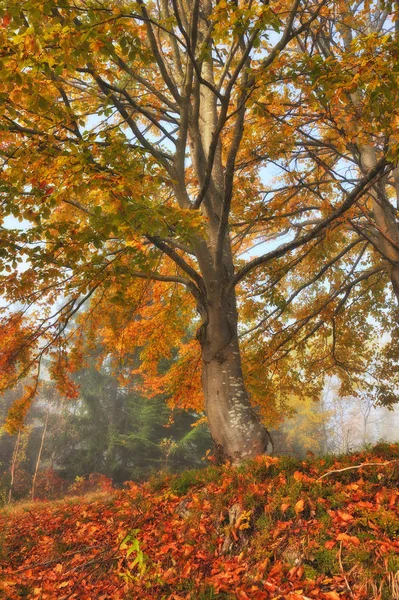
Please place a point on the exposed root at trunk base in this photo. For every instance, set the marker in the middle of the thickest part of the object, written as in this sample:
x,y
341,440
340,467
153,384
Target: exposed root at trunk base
x,y
237,533
221,457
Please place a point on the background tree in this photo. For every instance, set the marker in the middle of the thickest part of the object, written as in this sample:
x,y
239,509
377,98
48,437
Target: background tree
x,y
136,141
109,430
338,117
116,431
360,120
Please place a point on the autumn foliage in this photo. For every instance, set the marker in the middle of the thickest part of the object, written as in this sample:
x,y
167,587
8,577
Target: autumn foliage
x,y
210,183
273,528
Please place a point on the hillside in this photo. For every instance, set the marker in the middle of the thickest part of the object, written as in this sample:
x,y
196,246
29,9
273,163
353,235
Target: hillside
x,y
272,529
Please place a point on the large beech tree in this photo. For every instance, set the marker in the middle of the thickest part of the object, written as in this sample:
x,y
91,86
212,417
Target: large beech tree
x,y
138,140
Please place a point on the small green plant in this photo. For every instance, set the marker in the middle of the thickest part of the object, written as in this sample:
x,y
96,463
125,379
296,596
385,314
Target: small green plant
x,y
393,563
136,568
387,521
3,547
264,523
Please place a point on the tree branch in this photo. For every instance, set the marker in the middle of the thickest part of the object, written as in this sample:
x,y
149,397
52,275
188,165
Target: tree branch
x,y
177,259
353,467
363,186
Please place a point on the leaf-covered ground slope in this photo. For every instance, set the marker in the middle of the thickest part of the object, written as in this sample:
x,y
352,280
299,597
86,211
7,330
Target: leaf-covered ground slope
x,y
272,529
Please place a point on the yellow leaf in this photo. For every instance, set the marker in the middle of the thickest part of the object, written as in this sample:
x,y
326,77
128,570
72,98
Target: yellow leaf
x,y
63,584
299,506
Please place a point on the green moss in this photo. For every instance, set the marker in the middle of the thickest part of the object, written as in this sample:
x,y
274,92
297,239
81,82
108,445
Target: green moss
x,y
259,470
310,572
321,490
387,521
60,547
3,545
365,536
23,591
196,477
264,523
159,481
210,594
356,557
207,593
288,465
386,593
325,462
323,516
184,481
325,561
338,500
286,494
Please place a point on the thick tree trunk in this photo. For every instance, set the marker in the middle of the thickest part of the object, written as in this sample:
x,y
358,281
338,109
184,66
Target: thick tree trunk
x,y
235,427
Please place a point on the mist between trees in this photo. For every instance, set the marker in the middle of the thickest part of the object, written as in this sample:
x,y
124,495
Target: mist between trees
x,y
110,434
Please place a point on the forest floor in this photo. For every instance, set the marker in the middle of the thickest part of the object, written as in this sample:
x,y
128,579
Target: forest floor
x,y
275,528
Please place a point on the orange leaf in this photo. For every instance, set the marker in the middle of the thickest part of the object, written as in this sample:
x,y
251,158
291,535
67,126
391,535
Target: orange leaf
x,y
392,498
346,517
344,537
299,506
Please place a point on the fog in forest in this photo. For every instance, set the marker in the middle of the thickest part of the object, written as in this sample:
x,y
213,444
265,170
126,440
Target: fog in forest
x,y
111,434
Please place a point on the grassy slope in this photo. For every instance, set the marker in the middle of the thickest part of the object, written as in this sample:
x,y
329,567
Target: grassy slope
x,y
268,530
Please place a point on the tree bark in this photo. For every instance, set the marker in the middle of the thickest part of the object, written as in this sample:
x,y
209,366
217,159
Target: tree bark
x,y
235,427
14,462
39,456
385,220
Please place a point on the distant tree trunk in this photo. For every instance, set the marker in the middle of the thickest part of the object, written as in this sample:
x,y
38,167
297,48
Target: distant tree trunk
x,y
385,220
39,455
14,462
386,225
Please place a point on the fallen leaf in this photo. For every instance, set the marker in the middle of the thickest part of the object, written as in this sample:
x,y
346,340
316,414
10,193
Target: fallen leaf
x,y
344,516
299,506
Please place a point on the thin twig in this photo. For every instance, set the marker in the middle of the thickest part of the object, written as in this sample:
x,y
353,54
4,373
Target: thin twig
x,y
342,570
371,464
